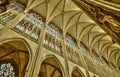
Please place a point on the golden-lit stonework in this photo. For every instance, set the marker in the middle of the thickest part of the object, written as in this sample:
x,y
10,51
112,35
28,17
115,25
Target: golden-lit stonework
x,y
59,38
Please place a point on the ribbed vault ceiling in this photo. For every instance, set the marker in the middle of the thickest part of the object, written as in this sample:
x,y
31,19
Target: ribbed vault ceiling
x,y
71,19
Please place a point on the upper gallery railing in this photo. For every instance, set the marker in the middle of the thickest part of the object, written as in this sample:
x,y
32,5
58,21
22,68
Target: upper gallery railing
x,y
13,9
7,17
53,44
28,29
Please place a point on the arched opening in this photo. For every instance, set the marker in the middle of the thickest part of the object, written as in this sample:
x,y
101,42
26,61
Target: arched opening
x,y
50,68
77,73
14,57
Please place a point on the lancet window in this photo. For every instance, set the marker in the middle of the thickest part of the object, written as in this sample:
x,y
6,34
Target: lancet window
x,y
35,18
16,7
7,17
53,30
70,41
84,50
29,29
95,55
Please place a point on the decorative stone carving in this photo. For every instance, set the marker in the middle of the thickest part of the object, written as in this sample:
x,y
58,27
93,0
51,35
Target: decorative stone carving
x,y
106,20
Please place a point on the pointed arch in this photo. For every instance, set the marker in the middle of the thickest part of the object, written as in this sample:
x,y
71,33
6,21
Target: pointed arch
x,y
51,61
18,39
15,51
77,72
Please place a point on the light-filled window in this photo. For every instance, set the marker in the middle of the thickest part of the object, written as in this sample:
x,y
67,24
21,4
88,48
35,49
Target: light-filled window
x,y
17,7
27,28
84,50
35,19
7,17
69,41
95,56
7,70
53,43
20,26
53,30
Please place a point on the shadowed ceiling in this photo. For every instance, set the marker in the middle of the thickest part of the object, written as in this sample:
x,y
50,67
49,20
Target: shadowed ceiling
x,y
114,1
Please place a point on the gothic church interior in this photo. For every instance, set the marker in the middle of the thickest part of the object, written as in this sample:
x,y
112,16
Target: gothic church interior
x,y
59,38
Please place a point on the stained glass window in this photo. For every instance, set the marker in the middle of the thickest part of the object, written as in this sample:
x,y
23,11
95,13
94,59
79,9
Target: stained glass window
x,y
69,41
20,26
17,7
53,30
84,50
7,70
35,19
95,56
28,29
7,17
